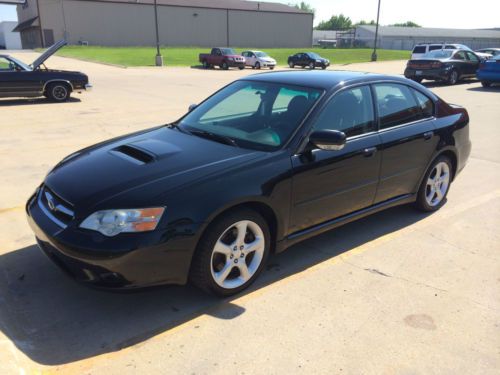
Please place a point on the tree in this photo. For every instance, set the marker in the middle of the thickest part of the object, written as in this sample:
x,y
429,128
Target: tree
x,y
339,22
363,22
304,6
406,24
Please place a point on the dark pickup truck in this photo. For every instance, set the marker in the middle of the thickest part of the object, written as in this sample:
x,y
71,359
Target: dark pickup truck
x,y
222,57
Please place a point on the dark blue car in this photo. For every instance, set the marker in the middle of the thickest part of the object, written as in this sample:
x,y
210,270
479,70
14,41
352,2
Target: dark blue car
x,y
489,71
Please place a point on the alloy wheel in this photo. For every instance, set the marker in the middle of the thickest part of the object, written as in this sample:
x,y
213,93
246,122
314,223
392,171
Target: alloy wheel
x,y
59,92
237,254
437,184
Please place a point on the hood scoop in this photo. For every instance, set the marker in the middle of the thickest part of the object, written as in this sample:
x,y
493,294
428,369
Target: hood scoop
x,y
145,151
133,154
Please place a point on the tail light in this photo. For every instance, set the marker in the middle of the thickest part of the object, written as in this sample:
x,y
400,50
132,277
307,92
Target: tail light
x,y
436,64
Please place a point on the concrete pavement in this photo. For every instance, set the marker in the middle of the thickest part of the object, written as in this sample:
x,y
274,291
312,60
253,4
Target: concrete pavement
x,y
396,293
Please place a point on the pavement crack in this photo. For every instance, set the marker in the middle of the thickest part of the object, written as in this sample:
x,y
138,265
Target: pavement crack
x,y
377,272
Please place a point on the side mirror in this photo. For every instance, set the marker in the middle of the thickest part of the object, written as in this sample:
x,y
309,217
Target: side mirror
x,y
192,106
329,140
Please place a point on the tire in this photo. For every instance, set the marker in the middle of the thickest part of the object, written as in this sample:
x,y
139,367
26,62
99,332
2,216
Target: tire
x,y
453,78
241,67
206,65
257,65
323,67
219,271
432,193
485,84
224,66
291,64
58,91
271,67
311,65
418,80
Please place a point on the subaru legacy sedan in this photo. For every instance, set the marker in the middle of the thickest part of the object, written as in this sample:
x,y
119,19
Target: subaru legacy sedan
x,y
269,160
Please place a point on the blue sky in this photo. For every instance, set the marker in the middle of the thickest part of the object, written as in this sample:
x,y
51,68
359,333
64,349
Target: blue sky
x,y
429,13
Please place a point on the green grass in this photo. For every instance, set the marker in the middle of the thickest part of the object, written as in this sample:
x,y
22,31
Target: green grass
x,y
188,56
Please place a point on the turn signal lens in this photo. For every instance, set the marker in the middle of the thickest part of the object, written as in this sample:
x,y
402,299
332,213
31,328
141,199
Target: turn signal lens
x,y
112,222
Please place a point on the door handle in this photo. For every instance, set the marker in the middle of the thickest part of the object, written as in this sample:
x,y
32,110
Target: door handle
x,y
369,151
428,135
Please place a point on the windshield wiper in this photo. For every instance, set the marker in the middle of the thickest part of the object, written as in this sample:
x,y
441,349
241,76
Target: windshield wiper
x,y
215,137
175,125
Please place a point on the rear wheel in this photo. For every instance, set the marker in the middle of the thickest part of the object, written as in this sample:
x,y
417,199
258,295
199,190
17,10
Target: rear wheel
x,y
232,253
206,65
435,185
453,78
58,91
485,84
291,64
311,65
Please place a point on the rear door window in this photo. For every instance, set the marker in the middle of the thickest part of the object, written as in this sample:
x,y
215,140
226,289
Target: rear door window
x,y
396,105
419,49
435,47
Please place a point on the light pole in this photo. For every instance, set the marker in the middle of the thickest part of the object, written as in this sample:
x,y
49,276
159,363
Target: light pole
x,y
159,57
374,54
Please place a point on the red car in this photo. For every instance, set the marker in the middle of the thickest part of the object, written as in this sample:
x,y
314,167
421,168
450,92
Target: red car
x,y
222,57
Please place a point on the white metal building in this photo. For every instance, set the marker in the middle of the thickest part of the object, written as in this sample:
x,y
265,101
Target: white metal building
x,y
405,38
8,38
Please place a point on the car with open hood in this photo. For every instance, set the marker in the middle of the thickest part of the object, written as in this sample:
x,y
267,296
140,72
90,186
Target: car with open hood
x,y
267,161
18,79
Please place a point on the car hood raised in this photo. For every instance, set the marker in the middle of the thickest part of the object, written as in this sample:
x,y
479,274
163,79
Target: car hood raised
x,y
164,157
49,52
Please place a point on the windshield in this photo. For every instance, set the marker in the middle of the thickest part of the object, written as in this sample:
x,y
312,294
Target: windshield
x,y
439,54
20,63
314,55
228,51
261,54
256,115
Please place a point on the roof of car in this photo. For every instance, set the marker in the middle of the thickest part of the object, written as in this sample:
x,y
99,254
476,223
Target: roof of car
x,y
319,79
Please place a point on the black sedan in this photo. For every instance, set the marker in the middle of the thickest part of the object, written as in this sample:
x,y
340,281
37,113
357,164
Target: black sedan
x,y
308,59
18,79
267,161
443,65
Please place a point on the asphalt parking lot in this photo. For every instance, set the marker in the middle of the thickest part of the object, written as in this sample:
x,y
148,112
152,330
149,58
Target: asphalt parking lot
x,y
400,292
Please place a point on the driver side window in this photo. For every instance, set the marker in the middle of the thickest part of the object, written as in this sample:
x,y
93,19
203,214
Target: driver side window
x,y
349,111
6,65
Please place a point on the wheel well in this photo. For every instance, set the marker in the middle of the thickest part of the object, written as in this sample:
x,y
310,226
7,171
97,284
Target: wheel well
x,y
453,157
51,83
261,208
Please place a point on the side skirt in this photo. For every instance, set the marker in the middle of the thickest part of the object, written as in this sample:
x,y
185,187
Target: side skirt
x,y
304,234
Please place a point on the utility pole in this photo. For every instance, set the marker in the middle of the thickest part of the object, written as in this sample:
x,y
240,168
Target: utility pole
x,y
159,57
374,54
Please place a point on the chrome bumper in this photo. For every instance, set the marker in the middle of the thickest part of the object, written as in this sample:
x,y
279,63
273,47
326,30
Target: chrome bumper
x,y
88,87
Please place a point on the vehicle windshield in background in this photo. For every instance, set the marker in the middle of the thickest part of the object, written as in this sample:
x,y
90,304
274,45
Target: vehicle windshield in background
x,y
256,115
261,54
439,54
314,55
228,51
21,64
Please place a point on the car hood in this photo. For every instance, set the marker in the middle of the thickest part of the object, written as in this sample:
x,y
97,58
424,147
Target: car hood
x,y
49,52
163,157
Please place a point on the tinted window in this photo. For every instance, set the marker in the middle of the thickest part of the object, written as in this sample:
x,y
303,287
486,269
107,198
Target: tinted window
x,y
396,105
426,105
472,57
459,55
350,111
419,49
432,48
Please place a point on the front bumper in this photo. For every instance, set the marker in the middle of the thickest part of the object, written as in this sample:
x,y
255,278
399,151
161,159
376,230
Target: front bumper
x,y
88,87
430,74
236,64
126,261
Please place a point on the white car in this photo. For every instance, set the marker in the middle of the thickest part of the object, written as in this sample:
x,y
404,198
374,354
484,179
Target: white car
x,y
258,59
422,48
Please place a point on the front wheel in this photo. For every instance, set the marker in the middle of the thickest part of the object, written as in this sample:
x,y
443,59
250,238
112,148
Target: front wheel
x,y
291,64
257,65
323,67
311,65
241,67
224,66
435,185
418,80
485,84
58,92
232,253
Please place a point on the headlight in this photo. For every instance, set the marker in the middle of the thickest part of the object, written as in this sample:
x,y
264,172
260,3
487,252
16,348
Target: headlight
x,y
318,60
112,222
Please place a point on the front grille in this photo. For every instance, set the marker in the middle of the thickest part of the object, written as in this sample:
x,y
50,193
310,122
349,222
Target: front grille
x,y
56,208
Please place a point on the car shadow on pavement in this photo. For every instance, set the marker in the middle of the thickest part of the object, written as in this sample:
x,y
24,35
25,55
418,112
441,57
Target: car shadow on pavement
x,y
56,321
492,88
432,84
31,101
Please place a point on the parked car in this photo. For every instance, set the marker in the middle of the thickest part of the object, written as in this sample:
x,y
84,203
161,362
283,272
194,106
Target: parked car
x,y
267,161
309,59
443,65
18,79
423,48
489,71
258,59
224,58
490,51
